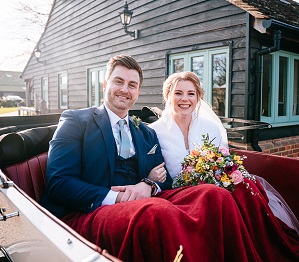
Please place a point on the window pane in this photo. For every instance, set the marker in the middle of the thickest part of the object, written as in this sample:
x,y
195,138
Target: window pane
x,y
282,86
63,90
178,65
44,83
45,95
63,80
101,82
267,85
44,92
197,66
92,88
219,83
296,88
63,97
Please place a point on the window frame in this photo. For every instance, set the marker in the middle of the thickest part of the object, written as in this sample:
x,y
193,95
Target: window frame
x,y
45,90
60,75
99,95
289,118
207,75
292,83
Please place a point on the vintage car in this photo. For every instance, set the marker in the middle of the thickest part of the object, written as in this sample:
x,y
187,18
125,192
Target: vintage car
x,y
31,233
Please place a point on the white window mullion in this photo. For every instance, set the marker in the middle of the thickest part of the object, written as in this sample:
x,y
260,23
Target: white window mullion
x,y
286,97
294,85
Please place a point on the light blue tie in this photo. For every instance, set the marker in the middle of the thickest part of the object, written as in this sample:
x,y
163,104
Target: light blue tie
x,y
124,150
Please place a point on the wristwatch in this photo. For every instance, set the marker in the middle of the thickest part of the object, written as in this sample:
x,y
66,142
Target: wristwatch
x,y
152,184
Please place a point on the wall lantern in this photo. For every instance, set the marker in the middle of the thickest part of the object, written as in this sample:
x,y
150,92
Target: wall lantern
x,y
37,54
125,18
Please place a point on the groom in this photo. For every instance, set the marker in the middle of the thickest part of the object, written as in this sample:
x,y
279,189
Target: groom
x,y
85,169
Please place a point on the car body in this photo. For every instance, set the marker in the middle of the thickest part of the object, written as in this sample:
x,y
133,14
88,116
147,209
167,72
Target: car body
x,y
13,98
28,230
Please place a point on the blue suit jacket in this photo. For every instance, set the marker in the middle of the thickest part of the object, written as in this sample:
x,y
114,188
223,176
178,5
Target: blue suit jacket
x,y
81,160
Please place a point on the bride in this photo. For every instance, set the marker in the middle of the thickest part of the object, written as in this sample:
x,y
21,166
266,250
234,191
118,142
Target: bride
x,y
183,122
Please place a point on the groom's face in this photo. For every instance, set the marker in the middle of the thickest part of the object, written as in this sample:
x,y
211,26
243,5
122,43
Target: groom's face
x,y
122,90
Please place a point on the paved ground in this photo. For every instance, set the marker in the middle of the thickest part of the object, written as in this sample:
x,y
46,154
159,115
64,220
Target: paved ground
x,y
10,114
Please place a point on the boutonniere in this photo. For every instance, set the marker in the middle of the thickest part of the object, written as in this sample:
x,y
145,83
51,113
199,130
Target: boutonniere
x,y
136,121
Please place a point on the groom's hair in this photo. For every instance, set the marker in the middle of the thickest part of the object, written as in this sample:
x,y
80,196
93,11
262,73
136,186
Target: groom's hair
x,y
126,61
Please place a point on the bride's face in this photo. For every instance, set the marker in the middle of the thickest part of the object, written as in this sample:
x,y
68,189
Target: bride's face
x,y
184,98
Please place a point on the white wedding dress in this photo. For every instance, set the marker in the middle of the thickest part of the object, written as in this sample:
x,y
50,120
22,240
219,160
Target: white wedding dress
x,y
172,140
205,121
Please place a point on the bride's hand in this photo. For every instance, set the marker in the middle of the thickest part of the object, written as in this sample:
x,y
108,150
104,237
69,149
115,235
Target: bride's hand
x,y
158,173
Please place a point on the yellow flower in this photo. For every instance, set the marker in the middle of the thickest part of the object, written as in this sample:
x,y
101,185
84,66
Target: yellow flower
x,y
136,121
210,155
225,178
186,176
199,169
237,158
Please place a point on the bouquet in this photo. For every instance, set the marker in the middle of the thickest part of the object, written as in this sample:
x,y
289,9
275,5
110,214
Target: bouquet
x,y
212,165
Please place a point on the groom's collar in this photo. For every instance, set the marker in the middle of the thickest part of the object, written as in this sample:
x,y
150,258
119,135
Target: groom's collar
x,y
115,118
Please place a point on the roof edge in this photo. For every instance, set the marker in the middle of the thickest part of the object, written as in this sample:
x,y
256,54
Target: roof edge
x,y
32,53
269,25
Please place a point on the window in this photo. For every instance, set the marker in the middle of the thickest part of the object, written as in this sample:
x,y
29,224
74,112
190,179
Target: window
x,y
295,111
96,78
62,89
44,89
280,90
212,68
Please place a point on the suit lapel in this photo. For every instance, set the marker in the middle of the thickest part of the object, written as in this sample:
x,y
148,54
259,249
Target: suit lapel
x,y
102,120
137,137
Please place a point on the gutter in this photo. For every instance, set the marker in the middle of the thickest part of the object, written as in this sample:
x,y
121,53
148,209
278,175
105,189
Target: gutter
x,y
277,25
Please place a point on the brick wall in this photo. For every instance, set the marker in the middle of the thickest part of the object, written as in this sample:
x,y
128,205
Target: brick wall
x,y
288,146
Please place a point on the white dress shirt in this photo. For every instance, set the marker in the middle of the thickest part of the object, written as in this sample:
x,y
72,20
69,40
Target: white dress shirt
x,y
112,195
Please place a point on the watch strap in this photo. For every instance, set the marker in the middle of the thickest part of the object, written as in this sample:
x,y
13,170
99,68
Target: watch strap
x,y
152,184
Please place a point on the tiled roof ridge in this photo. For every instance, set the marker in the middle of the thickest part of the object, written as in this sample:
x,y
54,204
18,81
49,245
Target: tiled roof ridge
x,y
286,11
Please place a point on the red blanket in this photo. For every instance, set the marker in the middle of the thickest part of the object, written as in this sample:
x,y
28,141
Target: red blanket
x,y
272,238
209,222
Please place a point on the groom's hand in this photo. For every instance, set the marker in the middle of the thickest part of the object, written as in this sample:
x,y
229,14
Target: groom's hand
x,y
132,192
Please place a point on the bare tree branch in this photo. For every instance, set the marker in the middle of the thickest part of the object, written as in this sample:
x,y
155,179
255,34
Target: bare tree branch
x,y
23,27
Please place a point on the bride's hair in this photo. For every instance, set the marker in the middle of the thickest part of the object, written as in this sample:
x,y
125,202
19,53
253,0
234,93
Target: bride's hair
x,y
171,82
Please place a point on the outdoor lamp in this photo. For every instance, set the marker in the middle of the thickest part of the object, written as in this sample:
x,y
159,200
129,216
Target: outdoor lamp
x,y
37,54
125,18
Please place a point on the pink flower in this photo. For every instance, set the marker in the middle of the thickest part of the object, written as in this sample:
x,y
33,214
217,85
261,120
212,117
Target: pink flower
x,y
224,150
218,177
220,159
189,169
237,177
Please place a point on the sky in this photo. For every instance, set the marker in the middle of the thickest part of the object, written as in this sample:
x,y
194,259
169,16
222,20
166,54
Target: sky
x,y
18,34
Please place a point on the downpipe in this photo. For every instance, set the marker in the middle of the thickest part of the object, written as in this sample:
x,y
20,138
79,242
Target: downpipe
x,y
258,62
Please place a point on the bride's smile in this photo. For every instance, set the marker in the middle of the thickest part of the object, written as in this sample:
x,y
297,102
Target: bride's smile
x,y
184,98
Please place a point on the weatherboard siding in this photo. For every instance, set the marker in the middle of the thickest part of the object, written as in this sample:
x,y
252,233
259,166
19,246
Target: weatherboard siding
x,y
84,34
